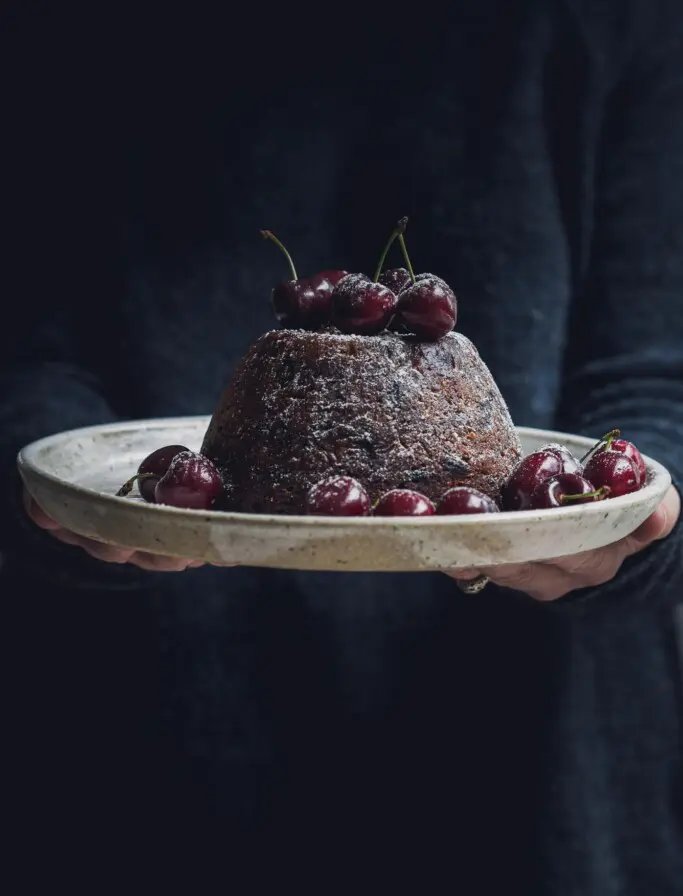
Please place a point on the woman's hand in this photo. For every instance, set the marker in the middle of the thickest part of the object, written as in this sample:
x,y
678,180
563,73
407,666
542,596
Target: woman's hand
x,y
106,552
548,580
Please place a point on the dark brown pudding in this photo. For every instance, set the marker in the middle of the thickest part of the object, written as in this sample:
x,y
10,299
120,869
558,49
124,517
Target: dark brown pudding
x,y
391,411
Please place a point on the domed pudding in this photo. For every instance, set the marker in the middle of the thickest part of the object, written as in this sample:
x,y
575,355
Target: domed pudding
x,y
388,410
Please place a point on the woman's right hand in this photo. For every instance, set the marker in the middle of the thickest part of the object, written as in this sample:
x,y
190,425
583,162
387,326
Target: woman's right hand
x,y
101,551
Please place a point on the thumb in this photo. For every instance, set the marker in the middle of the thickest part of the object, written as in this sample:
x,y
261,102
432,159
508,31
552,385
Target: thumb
x,y
658,525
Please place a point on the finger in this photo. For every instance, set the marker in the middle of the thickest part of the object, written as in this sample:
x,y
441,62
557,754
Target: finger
x,y
37,514
158,563
600,566
97,549
542,582
605,562
106,552
585,570
658,525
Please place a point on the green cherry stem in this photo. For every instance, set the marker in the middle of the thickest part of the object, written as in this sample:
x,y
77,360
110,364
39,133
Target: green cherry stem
x,y
610,437
269,235
396,232
402,243
128,485
606,440
599,494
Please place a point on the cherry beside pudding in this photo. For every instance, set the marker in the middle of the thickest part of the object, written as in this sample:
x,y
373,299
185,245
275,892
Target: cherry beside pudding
x,y
622,446
150,471
461,499
530,472
614,470
191,481
338,496
563,490
403,502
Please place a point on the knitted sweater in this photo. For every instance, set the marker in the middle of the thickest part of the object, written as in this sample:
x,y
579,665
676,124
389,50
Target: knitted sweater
x,y
372,730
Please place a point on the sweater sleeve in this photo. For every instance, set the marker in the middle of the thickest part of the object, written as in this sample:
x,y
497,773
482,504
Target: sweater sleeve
x,y
624,354
37,400
55,365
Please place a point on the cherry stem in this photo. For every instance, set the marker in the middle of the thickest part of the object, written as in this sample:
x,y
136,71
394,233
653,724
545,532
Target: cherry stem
x,y
599,493
396,232
606,440
268,235
128,485
402,243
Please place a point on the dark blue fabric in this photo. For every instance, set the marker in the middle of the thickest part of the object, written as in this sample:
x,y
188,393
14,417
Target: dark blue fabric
x,y
334,730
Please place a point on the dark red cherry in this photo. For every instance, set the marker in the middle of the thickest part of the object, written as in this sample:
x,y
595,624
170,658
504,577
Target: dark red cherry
x,y
622,446
191,481
529,472
361,306
613,470
564,490
303,302
395,279
330,278
463,499
403,502
156,464
338,496
427,306
150,471
570,463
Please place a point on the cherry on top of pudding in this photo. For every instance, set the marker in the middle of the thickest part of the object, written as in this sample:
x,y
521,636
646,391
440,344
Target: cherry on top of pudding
x,y
353,302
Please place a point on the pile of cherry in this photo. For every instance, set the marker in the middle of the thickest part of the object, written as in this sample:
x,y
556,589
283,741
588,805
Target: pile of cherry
x,y
396,299
549,477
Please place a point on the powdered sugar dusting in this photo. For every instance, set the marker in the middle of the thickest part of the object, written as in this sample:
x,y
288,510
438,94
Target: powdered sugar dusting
x,y
388,410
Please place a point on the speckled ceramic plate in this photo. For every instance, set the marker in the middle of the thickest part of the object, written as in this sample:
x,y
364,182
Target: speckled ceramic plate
x,y
74,476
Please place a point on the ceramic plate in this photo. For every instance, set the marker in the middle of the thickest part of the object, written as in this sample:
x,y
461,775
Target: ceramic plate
x,y
74,476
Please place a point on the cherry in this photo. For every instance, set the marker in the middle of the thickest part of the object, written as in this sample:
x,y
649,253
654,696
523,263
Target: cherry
x,y
614,470
564,489
395,278
338,496
403,502
530,471
427,305
630,450
362,305
191,481
463,499
303,302
570,463
150,471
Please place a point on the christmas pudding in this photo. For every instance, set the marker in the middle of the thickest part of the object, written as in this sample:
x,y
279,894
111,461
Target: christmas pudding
x,y
366,380
388,410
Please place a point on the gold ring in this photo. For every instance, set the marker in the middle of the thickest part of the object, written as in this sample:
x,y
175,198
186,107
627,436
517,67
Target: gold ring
x,y
473,586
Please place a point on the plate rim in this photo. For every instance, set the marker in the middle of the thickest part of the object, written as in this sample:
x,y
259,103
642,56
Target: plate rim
x,y
26,462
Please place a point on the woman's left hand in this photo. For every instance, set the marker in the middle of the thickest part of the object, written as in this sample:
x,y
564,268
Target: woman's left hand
x,y
548,580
